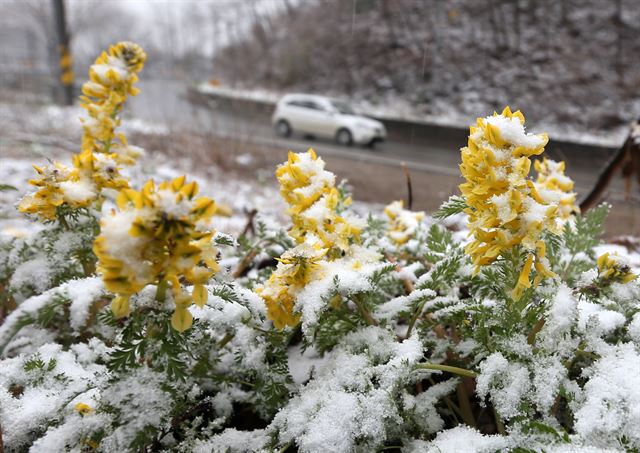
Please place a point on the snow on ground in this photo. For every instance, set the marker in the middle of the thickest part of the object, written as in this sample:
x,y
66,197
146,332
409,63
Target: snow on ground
x,y
240,195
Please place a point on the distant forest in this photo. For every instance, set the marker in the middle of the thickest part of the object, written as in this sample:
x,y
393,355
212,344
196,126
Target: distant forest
x,y
569,62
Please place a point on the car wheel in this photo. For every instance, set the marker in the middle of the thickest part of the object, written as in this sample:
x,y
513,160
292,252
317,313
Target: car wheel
x,y
283,129
344,137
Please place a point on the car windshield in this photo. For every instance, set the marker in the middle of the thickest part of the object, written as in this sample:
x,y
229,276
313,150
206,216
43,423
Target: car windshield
x,y
343,107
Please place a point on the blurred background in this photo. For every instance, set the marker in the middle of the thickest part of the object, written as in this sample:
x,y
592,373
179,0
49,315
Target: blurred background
x,y
424,68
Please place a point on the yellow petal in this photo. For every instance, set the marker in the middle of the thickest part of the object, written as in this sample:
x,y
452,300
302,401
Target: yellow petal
x,y
204,207
200,295
127,196
177,183
189,190
181,319
120,307
118,284
602,260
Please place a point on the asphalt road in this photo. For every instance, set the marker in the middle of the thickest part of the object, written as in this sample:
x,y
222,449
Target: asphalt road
x,y
168,102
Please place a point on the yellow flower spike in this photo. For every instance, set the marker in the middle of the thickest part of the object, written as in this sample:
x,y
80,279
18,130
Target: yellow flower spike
x,y
506,112
182,319
554,185
83,409
170,244
505,208
120,307
280,311
320,232
130,53
402,223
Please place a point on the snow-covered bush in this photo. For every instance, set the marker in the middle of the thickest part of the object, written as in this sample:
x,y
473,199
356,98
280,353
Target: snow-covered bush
x,y
130,324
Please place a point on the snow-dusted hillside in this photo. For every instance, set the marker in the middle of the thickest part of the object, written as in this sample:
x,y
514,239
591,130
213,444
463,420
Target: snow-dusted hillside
x,y
571,65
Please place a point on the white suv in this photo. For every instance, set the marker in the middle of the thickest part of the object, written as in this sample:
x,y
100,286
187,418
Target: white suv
x,y
324,117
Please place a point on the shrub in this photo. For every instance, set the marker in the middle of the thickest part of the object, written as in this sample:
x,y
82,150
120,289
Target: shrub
x,y
387,333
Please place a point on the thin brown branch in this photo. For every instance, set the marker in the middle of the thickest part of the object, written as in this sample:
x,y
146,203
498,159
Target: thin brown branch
x,y
617,162
249,227
407,176
531,338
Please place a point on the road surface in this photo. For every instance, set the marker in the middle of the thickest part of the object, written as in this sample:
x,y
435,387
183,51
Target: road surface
x,y
167,102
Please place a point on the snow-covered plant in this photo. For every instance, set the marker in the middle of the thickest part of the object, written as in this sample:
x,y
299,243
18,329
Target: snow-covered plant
x,y
498,324
157,237
63,190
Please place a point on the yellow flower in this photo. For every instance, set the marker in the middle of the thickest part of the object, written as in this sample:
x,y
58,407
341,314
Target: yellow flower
x,y
553,186
280,304
612,268
159,234
505,208
57,185
83,409
295,269
102,169
313,201
523,279
111,80
320,228
402,223
182,319
97,166
120,307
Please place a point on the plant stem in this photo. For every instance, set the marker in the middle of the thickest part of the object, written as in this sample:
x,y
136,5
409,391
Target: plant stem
x,y
499,424
414,318
465,405
63,222
363,311
226,339
446,368
531,338
161,291
453,407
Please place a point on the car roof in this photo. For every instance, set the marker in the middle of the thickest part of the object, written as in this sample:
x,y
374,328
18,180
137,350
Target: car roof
x,y
310,97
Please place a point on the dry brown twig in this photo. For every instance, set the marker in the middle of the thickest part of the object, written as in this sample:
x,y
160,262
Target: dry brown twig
x,y
627,159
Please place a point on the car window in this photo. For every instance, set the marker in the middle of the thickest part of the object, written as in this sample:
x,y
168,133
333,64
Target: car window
x,y
305,104
342,107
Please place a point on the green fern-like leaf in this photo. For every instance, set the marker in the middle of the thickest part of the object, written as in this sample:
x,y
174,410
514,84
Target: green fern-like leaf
x,y
454,205
585,233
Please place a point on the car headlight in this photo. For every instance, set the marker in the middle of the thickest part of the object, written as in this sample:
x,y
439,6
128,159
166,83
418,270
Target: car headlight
x,y
364,126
